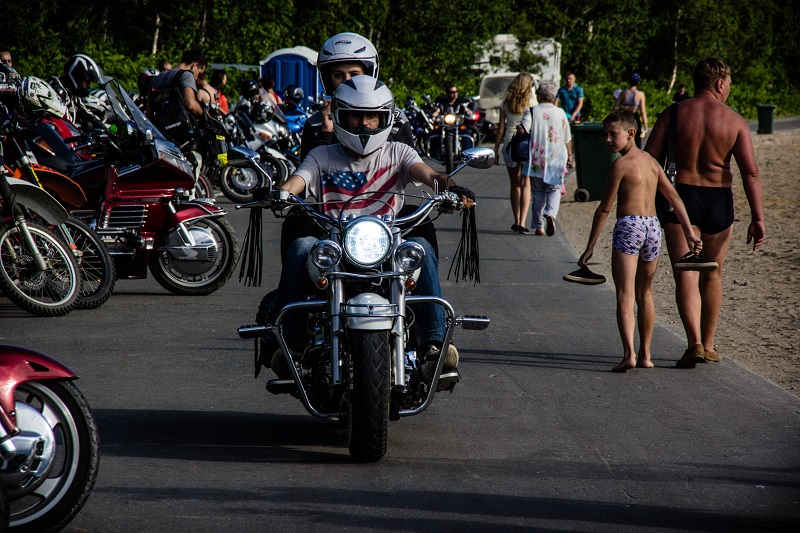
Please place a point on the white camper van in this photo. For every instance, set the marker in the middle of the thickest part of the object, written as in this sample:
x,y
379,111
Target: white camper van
x,y
493,88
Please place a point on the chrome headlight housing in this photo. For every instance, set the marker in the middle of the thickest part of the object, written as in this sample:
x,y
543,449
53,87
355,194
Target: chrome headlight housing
x,y
326,254
409,256
367,241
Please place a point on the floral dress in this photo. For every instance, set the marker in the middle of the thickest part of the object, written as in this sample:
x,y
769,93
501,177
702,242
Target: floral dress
x,y
550,134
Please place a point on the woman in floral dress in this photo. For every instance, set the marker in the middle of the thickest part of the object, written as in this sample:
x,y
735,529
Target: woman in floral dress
x,y
550,155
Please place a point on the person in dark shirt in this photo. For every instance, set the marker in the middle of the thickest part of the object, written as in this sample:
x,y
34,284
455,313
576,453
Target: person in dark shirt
x,y
681,95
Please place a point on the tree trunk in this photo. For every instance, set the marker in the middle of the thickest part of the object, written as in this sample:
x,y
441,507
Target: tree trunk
x,y
155,35
675,54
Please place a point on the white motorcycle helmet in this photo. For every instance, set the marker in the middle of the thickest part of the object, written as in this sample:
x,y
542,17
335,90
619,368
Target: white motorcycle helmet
x,y
362,94
38,96
346,48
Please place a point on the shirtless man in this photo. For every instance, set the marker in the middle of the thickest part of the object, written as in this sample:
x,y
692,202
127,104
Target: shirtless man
x,y
708,134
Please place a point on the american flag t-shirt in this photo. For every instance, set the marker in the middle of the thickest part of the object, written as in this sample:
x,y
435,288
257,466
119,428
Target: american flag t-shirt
x,y
372,183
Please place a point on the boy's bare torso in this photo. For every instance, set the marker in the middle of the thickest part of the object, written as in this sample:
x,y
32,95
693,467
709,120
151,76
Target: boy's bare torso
x,y
637,187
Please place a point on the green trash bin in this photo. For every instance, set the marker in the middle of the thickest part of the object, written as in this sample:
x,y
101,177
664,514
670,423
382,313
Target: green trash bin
x,y
592,160
766,114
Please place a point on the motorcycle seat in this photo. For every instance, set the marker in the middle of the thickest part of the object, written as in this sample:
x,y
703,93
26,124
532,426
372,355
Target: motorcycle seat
x,y
77,169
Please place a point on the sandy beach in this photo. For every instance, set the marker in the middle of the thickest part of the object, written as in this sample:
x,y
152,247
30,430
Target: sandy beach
x,y
760,315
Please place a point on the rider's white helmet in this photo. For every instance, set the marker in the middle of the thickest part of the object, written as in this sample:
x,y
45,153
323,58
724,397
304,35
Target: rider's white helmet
x,y
362,94
38,96
346,48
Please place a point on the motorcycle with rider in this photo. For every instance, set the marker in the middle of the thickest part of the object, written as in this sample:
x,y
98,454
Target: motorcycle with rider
x,y
358,328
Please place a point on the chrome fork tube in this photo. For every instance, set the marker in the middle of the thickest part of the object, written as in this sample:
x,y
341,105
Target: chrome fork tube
x,y
185,234
398,298
336,301
27,238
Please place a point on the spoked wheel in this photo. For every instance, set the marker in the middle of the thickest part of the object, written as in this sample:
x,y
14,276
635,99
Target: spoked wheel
x,y
60,452
98,275
185,273
369,394
51,292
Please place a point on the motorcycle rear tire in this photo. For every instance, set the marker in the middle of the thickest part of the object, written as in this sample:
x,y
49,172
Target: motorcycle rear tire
x,y
77,454
53,292
280,170
369,395
98,274
203,187
171,278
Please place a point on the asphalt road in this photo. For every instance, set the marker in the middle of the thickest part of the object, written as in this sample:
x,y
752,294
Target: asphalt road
x,y
539,435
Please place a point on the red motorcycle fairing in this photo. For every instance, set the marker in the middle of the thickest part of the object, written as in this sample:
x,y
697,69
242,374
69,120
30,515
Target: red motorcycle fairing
x,y
21,365
192,210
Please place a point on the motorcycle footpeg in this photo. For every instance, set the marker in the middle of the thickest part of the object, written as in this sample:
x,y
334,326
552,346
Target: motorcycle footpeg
x,y
281,386
476,322
254,331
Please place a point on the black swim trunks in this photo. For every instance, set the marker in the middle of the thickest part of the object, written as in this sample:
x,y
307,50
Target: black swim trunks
x,y
709,208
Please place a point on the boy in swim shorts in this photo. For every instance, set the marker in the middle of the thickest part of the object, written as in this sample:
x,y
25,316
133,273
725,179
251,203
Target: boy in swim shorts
x,y
633,180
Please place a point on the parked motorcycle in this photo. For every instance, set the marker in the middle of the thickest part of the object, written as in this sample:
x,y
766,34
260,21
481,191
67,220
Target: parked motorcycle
x,y
138,191
421,124
49,444
358,364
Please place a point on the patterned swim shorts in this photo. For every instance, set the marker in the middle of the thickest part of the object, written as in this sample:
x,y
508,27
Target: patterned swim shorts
x,y
638,236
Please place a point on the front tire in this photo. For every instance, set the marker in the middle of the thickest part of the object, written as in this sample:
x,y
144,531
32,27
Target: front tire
x,y
449,152
369,395
237,184
52,292
194,278
49,502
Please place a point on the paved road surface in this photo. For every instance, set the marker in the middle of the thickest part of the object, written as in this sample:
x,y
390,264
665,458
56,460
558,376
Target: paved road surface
x,y
539,435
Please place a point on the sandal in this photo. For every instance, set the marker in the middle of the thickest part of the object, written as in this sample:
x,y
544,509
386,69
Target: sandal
x,y
692,261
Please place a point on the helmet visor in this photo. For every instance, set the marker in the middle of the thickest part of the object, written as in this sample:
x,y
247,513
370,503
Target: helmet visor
x,y
361,121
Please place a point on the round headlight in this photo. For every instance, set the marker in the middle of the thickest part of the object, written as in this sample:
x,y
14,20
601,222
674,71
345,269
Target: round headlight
x,y
409,256
367,241
449,119
326,254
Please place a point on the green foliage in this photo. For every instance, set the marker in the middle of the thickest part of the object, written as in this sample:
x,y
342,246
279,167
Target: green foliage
x,y
424,44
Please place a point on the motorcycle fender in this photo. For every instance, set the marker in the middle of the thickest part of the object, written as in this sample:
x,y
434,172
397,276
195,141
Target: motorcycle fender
x,y
368,311
21,365
65,188
187,212
32,197
276,154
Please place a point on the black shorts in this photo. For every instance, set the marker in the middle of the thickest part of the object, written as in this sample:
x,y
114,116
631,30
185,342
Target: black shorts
x,y
709,208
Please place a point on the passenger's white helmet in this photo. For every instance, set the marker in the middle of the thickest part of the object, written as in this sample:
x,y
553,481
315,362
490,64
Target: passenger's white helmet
x,y
38,96
360,94
346,48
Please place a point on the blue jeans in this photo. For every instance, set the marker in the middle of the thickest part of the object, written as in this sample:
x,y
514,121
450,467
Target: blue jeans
x,y
295,285
546,201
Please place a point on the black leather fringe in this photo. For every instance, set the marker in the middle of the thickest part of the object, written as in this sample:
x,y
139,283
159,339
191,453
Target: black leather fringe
x,y
466,260
252,256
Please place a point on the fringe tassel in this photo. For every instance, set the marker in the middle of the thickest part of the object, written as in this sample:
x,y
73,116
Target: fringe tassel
x,y
252,256
467,257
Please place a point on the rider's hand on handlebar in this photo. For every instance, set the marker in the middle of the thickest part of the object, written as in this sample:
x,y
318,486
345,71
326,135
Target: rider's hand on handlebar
x,y
466,195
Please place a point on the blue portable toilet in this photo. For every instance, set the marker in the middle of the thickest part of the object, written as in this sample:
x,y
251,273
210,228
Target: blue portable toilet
x,y
293,66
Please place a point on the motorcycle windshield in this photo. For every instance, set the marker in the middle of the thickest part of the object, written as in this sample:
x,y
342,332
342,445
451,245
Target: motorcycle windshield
x,y
127,111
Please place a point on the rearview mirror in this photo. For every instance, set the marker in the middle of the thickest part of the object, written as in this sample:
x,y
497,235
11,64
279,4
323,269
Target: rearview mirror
x,y
480,157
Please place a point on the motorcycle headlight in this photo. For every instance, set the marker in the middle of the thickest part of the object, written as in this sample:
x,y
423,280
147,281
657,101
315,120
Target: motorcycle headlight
x,y
449,119
409,256
177,161
326,254
367,241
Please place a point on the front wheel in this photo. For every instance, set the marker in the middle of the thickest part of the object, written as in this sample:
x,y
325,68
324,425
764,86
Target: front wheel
x,y
59,453
369,394
98,275
278,169
197,276
449,152
51,292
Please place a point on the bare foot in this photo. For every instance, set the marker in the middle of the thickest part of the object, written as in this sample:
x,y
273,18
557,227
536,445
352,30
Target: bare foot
x,y
625,365
644,363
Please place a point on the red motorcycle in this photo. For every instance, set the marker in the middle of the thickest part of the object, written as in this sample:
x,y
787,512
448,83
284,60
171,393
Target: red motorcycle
x,y
49,445
138,189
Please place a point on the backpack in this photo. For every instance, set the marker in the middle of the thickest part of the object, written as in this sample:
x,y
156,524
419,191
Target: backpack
x,y
169,114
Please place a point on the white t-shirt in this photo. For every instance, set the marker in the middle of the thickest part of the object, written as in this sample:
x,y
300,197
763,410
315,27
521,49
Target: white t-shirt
x,y
334,177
